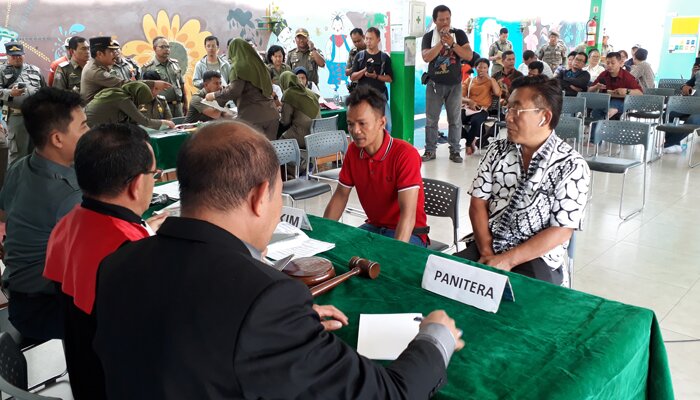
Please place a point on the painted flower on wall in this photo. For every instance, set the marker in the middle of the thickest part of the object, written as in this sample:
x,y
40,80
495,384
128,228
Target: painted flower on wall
x,y
186,41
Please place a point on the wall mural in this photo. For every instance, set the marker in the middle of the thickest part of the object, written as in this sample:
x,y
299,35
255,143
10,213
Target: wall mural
x,y
43,26
186,43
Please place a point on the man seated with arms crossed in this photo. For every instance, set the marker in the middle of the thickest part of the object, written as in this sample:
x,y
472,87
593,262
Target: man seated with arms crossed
x,y
529,57
211,82
530,189
385,171
575,79
618,83
38,191
253,331
116,171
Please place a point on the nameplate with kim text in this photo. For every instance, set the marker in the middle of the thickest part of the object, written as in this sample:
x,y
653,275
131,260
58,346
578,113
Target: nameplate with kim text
x,y
467,284
296,217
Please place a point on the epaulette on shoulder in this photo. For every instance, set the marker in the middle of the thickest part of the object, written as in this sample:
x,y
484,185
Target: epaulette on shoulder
x,y
63,64
148,64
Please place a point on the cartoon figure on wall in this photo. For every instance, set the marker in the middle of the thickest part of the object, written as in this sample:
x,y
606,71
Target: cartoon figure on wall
x,y
337,52
6,35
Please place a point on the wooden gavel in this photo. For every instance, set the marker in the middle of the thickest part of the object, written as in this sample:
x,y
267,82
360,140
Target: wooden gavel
x,y
359,266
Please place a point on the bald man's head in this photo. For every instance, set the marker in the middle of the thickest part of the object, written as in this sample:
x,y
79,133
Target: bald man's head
x,y
220,165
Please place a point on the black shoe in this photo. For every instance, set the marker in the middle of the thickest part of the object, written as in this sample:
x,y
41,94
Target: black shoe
x,y
455,157
442,139
428,155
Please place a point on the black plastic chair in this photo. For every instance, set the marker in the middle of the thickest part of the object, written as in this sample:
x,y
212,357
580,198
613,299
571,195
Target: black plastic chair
x,y
296,189
570,128
682,105
13,371
622,133
442,200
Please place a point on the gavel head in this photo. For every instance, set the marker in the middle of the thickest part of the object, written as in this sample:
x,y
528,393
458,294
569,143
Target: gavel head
x,y
368,268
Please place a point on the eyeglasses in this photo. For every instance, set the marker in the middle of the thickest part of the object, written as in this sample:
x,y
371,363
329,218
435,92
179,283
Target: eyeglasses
x,y
517,111
164,46
157,174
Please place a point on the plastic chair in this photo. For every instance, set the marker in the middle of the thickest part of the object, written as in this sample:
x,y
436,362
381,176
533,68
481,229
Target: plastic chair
x,y
570,259
571,128
666,92
442,200
647,106
682,105
296,189
495,106
595,101
325,144
324,124
574,106
675,84
622,133
13,371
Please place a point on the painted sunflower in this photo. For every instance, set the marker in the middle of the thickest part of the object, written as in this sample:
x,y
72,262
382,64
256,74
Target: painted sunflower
x,y
186,41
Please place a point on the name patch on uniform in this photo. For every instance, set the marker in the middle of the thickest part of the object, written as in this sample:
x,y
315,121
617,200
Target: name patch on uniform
x,y
467,284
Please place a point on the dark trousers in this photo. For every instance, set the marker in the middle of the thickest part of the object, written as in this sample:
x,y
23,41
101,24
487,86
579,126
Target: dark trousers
x,y
474,121
37,316
536,268
87,379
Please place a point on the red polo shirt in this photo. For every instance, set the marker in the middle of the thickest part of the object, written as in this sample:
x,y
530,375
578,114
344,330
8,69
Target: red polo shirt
x,y
379,179
623,80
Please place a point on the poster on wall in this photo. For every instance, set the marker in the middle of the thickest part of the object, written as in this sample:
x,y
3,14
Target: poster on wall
x,y
682,44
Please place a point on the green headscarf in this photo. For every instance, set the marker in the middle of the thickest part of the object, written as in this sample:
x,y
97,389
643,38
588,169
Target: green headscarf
x,y
247,65
297,96
138,92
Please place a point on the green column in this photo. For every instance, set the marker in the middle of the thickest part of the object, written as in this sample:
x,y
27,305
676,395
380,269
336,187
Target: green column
x,y
597,13
402,92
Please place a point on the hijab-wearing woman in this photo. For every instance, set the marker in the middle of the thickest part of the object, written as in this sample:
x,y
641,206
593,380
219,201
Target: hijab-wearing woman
x,y
250,87
477,96
122,104
299,108
275,62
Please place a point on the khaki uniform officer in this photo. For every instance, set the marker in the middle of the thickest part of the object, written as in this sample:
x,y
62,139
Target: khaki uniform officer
x,y
306,55
169,71
18,81
97,74
125,67
68,73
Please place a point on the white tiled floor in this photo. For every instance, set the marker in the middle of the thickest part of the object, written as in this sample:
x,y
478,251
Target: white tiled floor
x,y
650,261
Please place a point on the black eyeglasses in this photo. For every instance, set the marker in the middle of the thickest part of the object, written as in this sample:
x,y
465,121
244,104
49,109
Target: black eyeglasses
x,y
157,174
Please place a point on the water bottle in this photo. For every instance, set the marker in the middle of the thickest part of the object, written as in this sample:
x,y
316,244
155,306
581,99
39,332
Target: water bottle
x,y
676,121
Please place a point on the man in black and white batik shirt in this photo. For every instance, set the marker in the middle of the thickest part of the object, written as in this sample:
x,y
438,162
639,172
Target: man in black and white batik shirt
x,y
531,189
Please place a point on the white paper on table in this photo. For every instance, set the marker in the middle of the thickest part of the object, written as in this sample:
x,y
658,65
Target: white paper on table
x,y
386,336
173,210
301,245
172,189
214,105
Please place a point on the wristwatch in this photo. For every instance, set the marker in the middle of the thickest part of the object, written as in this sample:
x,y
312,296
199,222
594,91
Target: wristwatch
x,y
628,91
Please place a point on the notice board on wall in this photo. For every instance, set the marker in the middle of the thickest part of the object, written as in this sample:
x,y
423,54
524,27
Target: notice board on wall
x,y
684,35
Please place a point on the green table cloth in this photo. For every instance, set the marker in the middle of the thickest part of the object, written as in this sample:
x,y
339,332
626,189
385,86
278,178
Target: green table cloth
x,y
551,343
166,145
342,117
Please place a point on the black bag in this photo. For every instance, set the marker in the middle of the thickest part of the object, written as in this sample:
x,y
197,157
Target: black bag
x,y
424,78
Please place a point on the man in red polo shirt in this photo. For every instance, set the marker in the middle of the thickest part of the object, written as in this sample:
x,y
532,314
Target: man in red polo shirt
x,y
384,170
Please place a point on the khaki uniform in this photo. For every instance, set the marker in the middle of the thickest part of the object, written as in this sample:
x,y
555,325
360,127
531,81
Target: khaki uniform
x,y
297,58
67,76
170,72
121,111
96,77
127,69
30,76
157,109
253,107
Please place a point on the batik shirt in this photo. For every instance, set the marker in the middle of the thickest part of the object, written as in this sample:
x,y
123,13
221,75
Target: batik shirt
x,y
552,192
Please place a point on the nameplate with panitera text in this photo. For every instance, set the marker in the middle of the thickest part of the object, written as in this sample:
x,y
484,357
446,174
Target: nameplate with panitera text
x,y
296,217
467,284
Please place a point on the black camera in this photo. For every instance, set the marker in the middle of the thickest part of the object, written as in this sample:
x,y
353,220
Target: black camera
x,y
370,68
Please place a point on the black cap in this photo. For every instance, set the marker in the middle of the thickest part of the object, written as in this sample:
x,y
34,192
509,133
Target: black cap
x,y
103,42
14,49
